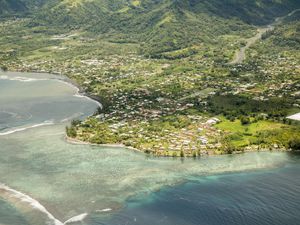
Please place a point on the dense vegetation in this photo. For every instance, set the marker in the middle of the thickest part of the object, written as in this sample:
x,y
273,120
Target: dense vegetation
x,y
160,26
233,106
19,8
162,69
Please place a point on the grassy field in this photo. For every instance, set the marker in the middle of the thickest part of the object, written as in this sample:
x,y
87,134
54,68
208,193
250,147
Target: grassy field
x,y
260,132
243,135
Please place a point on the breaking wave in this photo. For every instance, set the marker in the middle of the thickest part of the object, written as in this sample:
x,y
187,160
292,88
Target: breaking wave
x,y
104,210
29,79
88,98
30,201
36,205
78,218
46,123
21,79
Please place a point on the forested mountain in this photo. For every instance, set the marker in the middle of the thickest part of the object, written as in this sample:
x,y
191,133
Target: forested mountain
x,y
79,11
163,25
10,8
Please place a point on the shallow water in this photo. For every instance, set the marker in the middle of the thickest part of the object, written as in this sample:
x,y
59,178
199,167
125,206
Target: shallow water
x,y
50,181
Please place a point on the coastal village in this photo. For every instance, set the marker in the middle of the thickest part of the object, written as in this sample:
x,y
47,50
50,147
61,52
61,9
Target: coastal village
x,y
173,107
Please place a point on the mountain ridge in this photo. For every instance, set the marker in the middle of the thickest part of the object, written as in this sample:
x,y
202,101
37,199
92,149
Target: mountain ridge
x,y
159,25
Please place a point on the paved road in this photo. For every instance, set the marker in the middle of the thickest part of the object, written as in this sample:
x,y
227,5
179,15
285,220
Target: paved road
x,y
240,55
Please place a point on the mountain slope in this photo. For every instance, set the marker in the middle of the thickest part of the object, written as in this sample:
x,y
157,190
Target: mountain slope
x,y
162,25
11,6
79,11
159,26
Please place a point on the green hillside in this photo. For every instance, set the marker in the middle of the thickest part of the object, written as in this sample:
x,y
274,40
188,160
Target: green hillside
x,y
161,26
158,25
8,7
20,8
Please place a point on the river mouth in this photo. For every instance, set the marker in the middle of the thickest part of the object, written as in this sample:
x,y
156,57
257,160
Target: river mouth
x,y
47,179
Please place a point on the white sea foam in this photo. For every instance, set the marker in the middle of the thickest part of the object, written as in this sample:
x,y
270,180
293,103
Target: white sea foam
x,y
76,115
21,79
78,95
46,123
67,83
77,218
34,204
104,210
10,113
28,79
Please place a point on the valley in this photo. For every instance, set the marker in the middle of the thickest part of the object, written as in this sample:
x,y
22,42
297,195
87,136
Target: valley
x,y
241,54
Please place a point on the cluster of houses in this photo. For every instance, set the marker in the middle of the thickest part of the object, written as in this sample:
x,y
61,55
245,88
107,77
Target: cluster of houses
x,y
129,81
199,138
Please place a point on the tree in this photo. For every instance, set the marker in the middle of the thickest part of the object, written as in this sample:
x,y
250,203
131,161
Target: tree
x,y
181,153
98,111
71,132
4,68
194,154
294,144
75,123
245,120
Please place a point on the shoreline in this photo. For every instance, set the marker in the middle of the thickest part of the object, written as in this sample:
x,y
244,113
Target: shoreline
x,y
81,90
82,93
75,141
62,78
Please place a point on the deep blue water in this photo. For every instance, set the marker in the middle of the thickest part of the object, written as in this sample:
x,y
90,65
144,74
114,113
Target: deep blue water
x,y
268,197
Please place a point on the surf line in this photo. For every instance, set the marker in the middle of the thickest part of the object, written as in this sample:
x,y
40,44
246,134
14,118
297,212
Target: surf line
x,y
57,79
21,79
34,204
78,93
46,123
